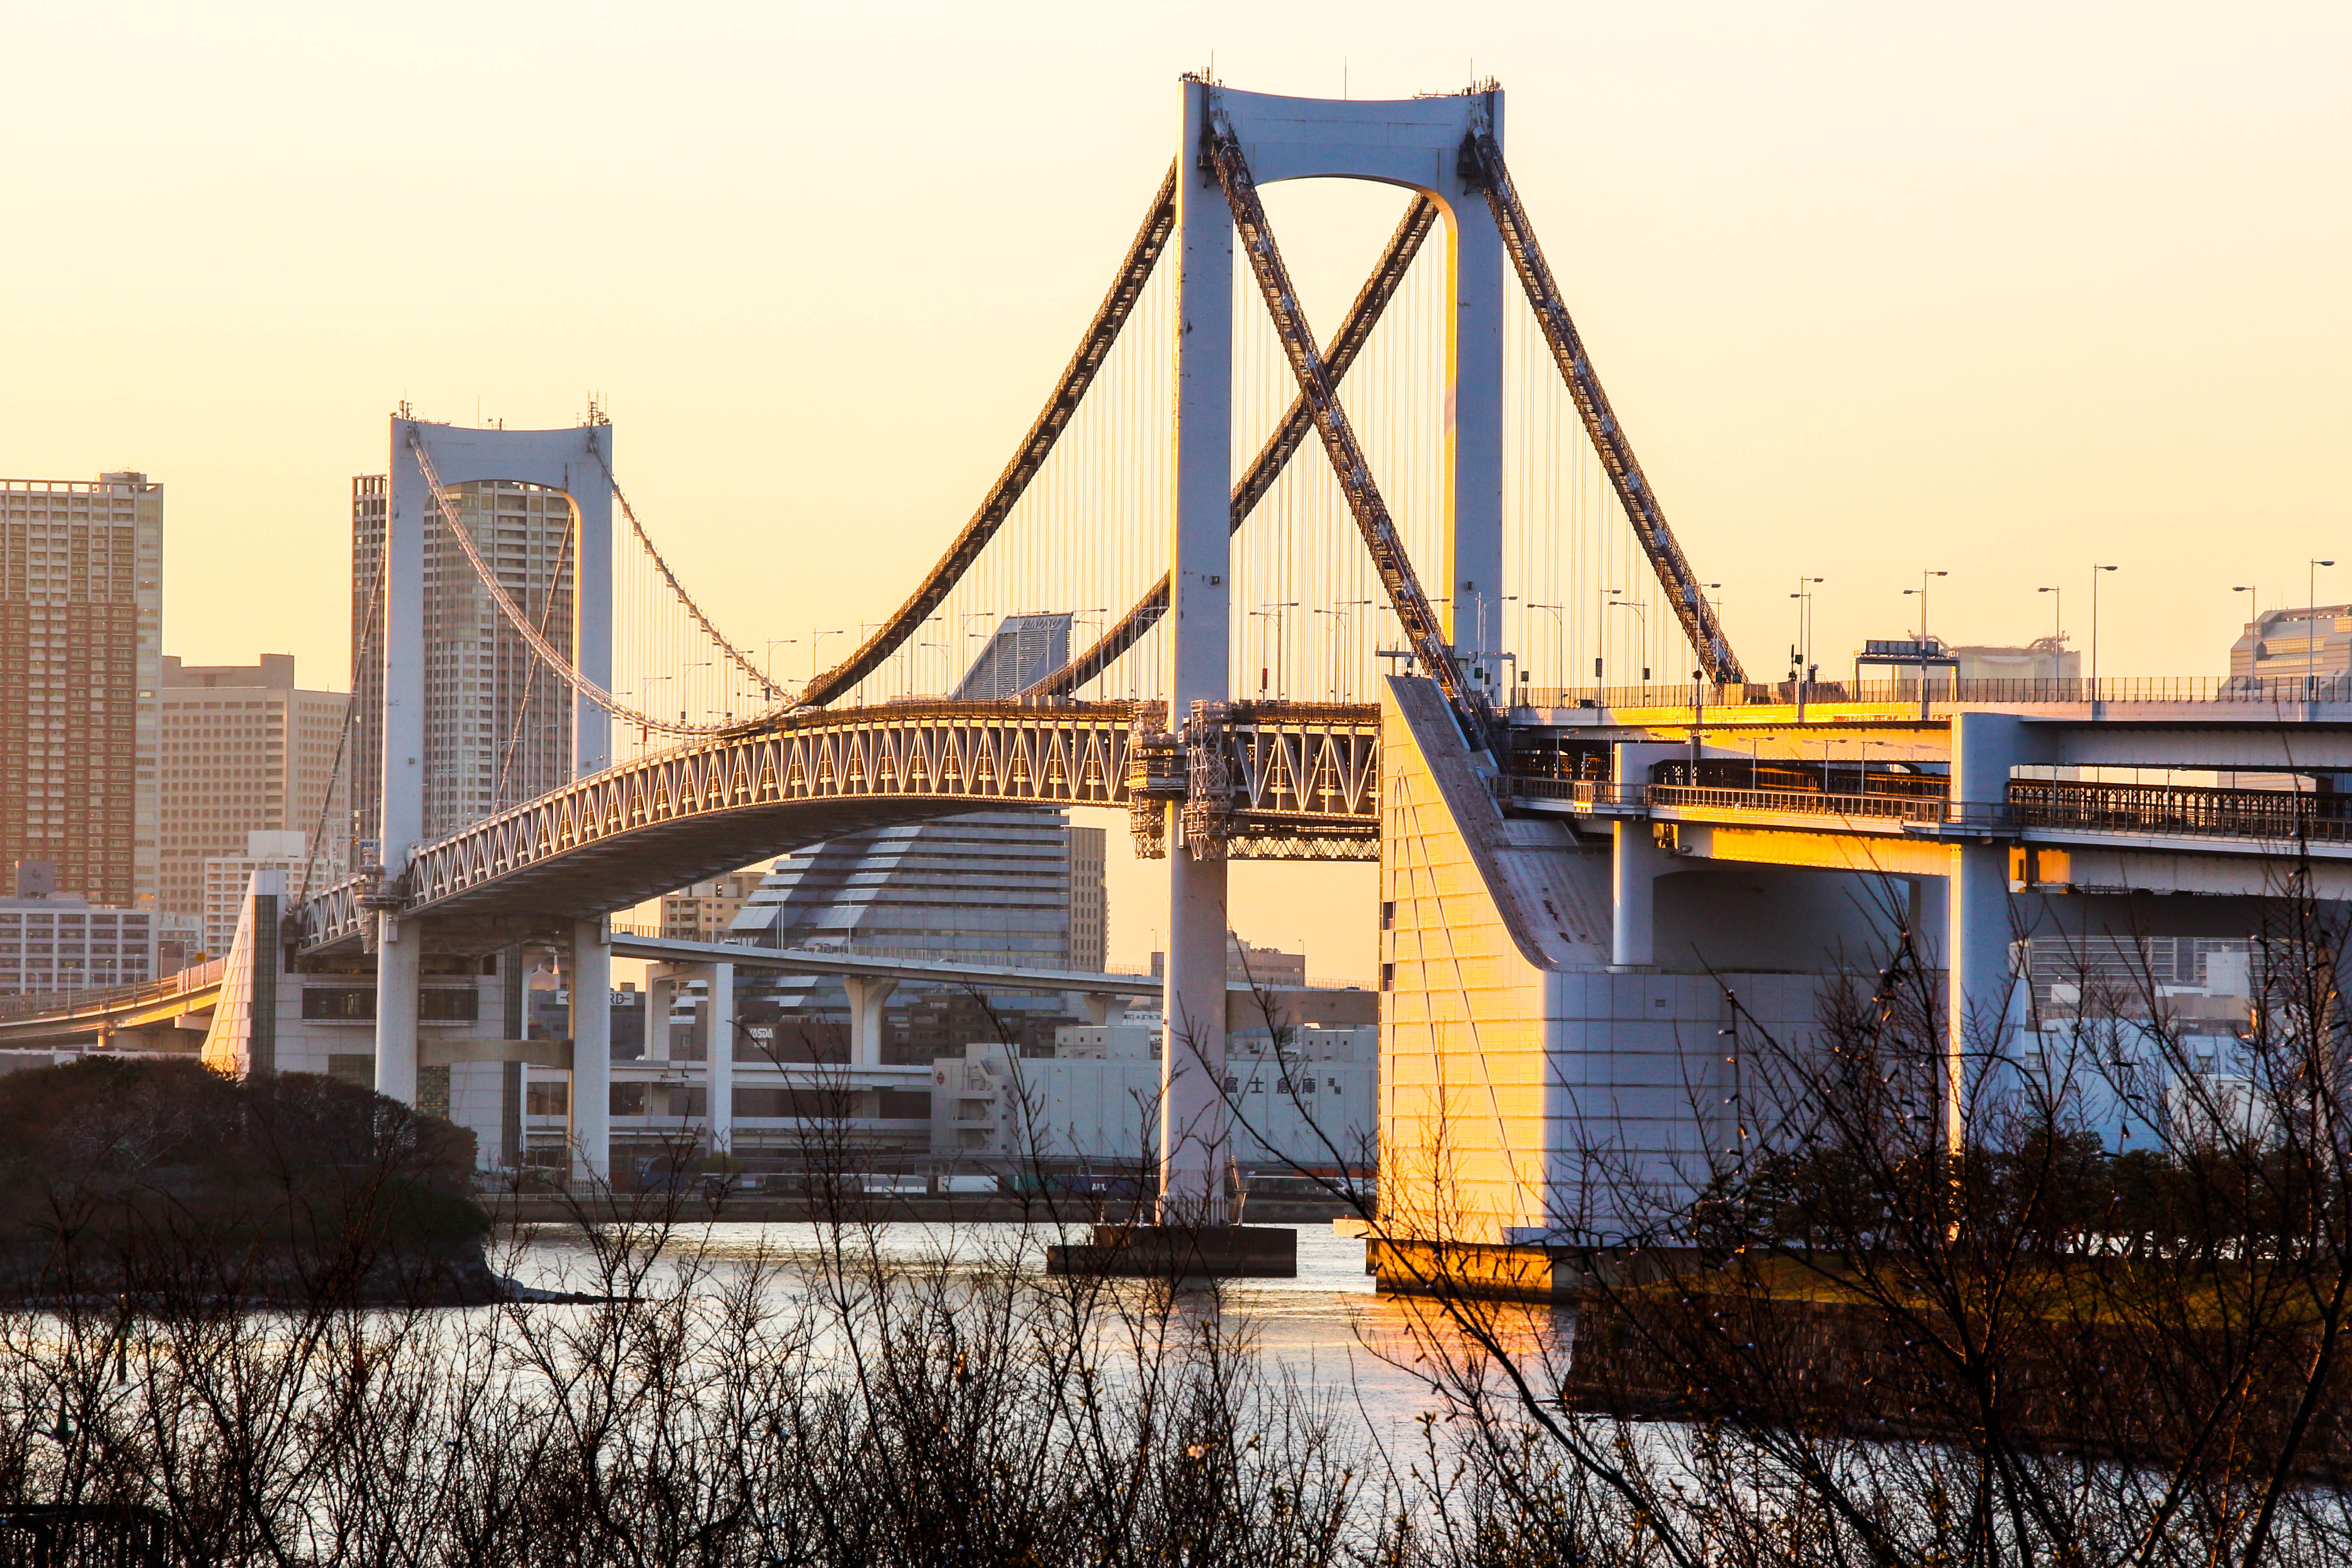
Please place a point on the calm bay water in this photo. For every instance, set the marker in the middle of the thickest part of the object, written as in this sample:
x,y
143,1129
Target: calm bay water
x,y
1327,1327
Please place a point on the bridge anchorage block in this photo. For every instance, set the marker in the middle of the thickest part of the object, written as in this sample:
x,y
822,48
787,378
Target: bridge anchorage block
x,y
1180,1252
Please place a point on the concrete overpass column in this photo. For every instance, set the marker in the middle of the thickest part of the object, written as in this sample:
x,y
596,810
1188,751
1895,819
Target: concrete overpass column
x,y
1976,992
515,1025
1192,1057
590,984
719,1058
661,995
1636,862
1985,748
399,979
868,995
1635,865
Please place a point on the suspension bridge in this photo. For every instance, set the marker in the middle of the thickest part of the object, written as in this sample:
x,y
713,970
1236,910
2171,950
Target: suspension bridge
x,y
1573,875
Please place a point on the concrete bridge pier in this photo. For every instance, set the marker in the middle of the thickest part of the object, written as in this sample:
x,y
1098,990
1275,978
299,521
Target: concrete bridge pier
x,y
661,995
399,984
1986,747
589,985
868,994
718,1056
1635,865
1193,1053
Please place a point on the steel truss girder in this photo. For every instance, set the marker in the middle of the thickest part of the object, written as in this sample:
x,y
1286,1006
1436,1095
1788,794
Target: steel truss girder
x,y
1300,772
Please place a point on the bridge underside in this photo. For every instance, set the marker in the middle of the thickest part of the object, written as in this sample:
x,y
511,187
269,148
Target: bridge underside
x,y
540,902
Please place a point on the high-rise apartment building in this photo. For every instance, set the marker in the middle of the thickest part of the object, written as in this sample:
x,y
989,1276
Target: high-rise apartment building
x,y
1089,900
245,751
497,729
705,911
80,619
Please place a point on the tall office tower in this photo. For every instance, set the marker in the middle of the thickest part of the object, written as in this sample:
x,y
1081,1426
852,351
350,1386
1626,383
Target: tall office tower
x,y
81,612
497,729
245,751
1090,900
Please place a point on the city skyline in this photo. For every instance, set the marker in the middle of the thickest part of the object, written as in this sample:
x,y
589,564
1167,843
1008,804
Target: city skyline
x,y
1873,293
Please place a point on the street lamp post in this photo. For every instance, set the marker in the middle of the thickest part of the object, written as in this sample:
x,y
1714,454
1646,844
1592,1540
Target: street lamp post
x,y
1642,629
1800,652
814,639
1343,642
2057,631
1558,639
2095,570
1272,610
2311,630
1922,591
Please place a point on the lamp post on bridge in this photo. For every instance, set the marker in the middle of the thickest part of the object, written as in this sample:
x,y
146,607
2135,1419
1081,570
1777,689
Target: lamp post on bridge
x,y
1339,613
1641,624
1800,652
1272,610
815,639
1922,591
1081,617
2057,625
2095,570
2311,630
773,644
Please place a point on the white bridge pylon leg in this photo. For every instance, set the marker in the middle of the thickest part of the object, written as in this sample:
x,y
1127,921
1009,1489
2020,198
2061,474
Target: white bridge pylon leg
x,y
1419,145
577,462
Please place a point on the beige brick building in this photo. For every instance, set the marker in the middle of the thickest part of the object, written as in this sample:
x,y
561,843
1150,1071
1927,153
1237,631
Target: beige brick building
x,y
244,751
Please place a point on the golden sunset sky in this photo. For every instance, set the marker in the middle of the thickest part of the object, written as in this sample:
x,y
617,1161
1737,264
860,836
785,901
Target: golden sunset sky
x,y
2002,289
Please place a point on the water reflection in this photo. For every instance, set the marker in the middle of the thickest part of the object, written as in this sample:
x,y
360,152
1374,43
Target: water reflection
x,y
1329,1327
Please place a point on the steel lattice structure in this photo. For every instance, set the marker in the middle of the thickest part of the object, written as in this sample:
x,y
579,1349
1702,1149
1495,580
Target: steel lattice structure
x,y
1295,782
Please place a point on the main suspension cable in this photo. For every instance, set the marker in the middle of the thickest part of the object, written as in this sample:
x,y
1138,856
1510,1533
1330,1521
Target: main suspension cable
x,y
1102,332
1355,329
547,651
1481,161
768,688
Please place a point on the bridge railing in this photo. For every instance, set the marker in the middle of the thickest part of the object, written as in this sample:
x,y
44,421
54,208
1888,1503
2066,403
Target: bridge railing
x,y
112,998
2163,810
996,957
2275,814
1893,807
1591,793
1944,693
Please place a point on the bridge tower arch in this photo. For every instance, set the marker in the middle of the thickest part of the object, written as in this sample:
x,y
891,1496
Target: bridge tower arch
x,y
578,463
1420,144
